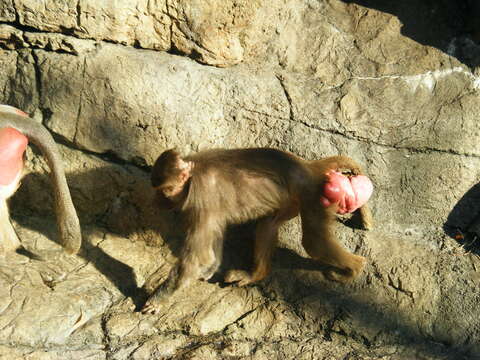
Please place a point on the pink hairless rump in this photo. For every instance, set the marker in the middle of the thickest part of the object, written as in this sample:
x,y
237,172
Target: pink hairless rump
x,y
348,192
12,146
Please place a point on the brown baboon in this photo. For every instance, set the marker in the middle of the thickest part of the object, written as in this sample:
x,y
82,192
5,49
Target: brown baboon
x,y
219,187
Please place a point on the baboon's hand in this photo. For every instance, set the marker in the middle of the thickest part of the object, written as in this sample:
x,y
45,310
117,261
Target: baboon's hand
x,y
150,308
155,301
153,305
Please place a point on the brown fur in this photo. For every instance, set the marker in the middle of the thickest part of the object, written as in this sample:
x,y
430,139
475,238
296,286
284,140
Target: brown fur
x,y
234,186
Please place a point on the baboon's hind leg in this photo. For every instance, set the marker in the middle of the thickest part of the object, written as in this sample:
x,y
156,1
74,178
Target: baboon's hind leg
x,y
320,243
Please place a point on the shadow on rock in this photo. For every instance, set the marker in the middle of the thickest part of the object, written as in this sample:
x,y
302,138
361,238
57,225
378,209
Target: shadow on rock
x,y
352,314
449,25
463,222
121,275
239,249
111,197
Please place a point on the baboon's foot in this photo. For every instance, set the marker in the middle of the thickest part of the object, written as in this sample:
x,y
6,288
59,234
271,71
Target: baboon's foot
x,y
240,277
349,272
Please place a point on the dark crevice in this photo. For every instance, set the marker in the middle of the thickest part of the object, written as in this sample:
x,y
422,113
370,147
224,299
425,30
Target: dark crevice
x,y
175,51
79,12
136,44
287,96
12,83
25,28
77,120
106,337
38,82
171,25
17,14
49,49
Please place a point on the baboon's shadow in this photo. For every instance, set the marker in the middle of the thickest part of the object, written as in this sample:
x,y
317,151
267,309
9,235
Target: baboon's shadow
x,y
239,250
32,216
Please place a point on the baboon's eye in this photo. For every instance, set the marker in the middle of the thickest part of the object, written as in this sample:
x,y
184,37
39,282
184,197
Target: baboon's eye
x,y
168,190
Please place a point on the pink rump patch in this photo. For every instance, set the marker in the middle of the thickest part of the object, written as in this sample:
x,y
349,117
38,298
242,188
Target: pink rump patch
x,y
349,192
12,146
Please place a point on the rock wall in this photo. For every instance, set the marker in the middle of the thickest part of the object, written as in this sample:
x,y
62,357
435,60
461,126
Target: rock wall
x,y
117,82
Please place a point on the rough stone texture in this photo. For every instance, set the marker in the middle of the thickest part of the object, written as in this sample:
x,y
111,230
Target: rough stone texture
x,y
208,31
316,78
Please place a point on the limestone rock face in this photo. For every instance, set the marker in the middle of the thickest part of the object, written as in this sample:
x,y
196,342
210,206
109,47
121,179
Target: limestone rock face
x,y
118,82
207,31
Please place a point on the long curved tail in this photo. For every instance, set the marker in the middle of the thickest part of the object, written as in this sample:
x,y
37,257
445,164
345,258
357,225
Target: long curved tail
x,y
67,219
